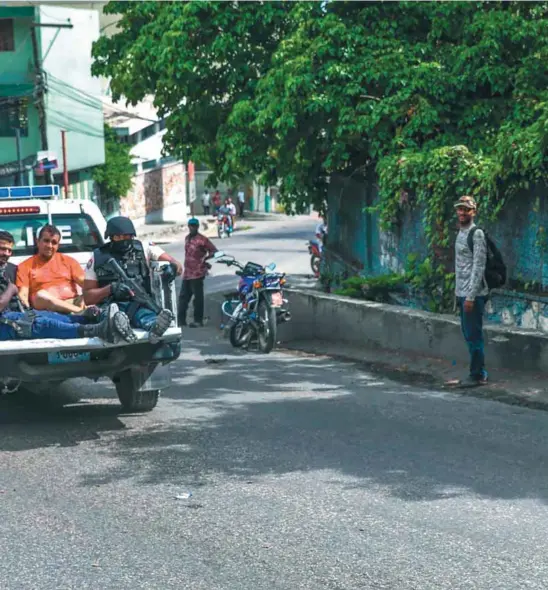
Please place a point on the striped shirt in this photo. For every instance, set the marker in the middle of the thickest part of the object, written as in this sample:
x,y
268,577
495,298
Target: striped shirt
x,y
470,267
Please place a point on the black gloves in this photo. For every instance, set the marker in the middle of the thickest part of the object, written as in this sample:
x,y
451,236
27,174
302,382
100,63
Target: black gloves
x,y
121,292
169,272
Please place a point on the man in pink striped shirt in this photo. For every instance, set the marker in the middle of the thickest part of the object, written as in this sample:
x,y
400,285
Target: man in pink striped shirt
x,y
198,249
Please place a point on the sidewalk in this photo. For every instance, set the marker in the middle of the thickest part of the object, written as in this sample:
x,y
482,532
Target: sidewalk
x,y
174,232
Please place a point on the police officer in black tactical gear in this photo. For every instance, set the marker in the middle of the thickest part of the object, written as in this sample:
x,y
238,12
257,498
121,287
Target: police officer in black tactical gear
x,y
103,285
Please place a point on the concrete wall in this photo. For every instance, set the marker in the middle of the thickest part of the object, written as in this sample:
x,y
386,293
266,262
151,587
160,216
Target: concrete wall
x,y
391,327
73,99
158,195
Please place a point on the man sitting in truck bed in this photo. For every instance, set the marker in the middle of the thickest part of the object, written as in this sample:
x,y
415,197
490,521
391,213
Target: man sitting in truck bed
x,y
49,280
18,323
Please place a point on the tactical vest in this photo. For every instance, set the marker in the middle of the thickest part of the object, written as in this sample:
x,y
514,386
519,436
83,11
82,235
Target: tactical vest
x,y
7,275
134,262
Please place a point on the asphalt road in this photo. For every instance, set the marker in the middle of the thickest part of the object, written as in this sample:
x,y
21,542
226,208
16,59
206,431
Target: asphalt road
x,y
282,241
305,473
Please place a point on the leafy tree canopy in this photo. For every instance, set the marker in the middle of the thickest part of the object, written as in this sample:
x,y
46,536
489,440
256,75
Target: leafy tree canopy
x,y
114,176
437,97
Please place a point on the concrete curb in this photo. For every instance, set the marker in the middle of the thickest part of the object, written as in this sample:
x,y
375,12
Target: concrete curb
x,y
366,324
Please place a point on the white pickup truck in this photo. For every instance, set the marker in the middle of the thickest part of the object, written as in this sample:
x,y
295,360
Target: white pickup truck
x,y
137,369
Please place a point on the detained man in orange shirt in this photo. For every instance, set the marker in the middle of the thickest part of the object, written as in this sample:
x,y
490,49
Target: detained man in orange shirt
x,y
49,280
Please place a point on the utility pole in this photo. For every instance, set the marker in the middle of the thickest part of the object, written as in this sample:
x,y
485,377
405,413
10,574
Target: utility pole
x,y
19,181
65,169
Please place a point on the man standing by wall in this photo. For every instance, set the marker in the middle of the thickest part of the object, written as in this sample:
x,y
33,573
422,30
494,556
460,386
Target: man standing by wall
x,y
241,202
198,249
206,202
471,288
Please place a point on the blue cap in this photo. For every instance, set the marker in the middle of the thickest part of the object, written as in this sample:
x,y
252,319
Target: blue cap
x,y
193,221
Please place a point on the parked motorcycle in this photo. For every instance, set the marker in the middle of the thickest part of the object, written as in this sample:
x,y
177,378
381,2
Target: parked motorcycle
x,y
257,307
224,227
314,249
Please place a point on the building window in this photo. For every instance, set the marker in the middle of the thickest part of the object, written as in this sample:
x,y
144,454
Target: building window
x,y
13,115
6,35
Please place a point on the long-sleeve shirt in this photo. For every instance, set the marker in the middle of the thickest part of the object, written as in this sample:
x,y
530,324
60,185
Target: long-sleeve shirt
x,y
197,248
470,267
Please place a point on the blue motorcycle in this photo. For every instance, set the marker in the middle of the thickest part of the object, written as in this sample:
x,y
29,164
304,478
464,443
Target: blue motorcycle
x,y
257,307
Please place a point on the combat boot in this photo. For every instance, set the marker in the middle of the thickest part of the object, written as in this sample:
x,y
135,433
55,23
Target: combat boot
x,y
114,328
160,325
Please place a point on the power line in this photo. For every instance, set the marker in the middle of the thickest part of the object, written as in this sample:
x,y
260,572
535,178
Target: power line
x,y
117,111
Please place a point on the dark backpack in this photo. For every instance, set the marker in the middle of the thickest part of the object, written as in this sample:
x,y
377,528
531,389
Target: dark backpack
x,y
495,269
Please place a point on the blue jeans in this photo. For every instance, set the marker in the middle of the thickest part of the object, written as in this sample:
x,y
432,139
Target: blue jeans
x,y
143,319
472,329
44,326
63,317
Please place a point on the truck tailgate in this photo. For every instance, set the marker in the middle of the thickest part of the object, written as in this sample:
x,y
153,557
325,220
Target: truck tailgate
x,y
53,345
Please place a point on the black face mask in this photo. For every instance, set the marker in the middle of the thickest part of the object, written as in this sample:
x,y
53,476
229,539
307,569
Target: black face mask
x,y
121,247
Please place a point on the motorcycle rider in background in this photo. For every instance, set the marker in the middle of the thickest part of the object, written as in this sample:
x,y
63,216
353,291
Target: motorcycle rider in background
x,y
321,232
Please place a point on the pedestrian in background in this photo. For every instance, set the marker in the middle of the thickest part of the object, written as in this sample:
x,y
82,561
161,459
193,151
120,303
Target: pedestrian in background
x,y
198,249
216,201
471,287
241,202
206,202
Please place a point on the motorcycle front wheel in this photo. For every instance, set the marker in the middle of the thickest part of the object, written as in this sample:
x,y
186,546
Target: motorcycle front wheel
x,y
239,334
267,327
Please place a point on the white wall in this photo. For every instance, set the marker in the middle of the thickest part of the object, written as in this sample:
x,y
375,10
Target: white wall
x,y
73,100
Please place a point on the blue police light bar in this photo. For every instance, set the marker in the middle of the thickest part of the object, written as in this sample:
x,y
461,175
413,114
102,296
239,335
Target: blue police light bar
x,y
48,191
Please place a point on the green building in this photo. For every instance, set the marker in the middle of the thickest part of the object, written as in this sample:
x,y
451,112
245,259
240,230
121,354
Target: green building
x,y
46,87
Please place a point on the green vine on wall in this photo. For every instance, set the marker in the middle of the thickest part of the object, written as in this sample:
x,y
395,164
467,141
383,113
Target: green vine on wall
x,y
432,181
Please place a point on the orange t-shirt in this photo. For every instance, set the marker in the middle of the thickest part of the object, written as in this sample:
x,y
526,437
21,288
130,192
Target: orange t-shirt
x,y
58,276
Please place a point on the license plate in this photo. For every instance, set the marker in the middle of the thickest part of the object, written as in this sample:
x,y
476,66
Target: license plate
x,y
57,358
277,299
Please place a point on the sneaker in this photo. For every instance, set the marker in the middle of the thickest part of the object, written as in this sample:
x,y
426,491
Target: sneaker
x,y
473,382
162,323
196,325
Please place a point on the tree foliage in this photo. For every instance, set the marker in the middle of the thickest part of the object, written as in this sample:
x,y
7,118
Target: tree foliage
x,y
114,176
440,98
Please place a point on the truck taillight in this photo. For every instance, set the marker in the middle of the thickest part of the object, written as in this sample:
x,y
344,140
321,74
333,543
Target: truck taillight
x,y
18,210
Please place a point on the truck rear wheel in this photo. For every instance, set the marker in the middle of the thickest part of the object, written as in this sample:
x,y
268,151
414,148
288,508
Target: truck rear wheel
x,y
132,398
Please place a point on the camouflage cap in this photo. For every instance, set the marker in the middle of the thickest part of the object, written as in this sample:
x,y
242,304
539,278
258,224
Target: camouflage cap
x,y
466,202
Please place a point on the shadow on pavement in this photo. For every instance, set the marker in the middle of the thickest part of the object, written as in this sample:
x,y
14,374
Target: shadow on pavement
x,y
31,420
246,416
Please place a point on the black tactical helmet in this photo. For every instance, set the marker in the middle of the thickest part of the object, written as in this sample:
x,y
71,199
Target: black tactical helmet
x,y
120,226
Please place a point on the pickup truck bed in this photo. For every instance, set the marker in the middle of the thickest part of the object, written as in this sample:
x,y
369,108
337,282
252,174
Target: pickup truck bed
x,y
53,345
52,360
